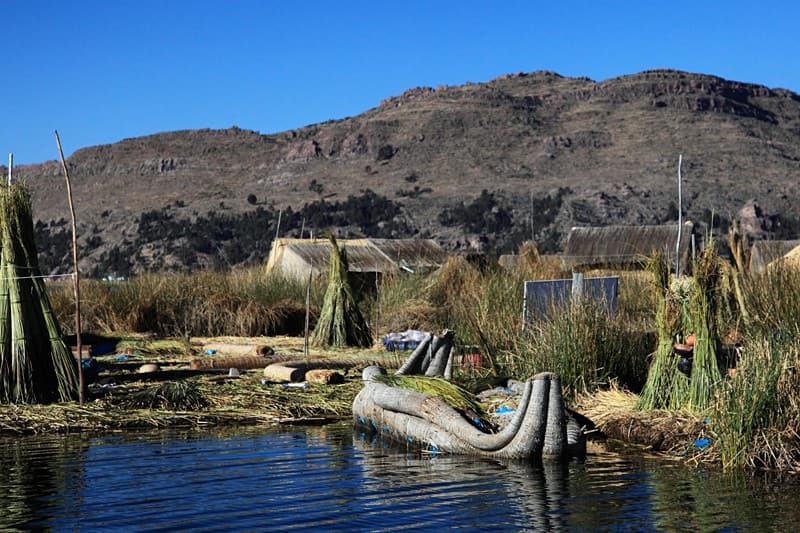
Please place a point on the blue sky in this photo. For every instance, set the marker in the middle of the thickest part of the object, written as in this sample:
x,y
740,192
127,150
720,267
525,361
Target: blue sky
x,y
102,71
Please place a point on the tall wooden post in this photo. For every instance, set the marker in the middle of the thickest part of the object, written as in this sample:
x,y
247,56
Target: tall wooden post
x,y
75,278
680,221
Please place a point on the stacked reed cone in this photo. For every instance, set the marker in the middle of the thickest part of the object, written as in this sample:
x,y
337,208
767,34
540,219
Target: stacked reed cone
x,y
687,309
35,364
659,391
340,322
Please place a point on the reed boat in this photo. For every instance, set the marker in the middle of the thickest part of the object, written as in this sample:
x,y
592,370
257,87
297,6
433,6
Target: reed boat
x,y
541,427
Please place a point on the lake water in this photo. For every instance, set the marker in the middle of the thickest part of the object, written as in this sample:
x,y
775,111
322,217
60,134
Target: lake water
x,y
328,478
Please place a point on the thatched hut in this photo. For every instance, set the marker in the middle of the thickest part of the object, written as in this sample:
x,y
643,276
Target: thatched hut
x,y
624,247
790,260
762,253
366,257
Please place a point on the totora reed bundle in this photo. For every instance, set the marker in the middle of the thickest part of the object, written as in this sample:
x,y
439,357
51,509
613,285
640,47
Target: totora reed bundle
x,y
340,321
664,374
35,364
706,375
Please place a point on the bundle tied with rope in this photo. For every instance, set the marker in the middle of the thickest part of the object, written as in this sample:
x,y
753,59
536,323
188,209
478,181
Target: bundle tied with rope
x,y
340,321
35,364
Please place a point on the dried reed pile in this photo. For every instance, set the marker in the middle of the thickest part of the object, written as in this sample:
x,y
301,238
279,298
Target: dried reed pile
x,y
340,321
35,364
172,395
615,413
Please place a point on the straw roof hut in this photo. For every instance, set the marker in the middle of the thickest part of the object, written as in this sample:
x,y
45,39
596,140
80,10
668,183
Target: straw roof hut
x,y
301,257
762,253
626,246
791,259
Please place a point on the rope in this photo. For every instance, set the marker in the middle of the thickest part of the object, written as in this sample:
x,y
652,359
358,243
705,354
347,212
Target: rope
x,y
39,277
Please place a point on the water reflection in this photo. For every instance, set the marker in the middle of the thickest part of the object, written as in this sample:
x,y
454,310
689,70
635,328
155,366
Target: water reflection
x,y
32,469
483,492
329,478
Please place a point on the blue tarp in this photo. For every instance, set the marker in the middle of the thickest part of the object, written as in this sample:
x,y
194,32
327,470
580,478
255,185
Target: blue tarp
x,y
404,340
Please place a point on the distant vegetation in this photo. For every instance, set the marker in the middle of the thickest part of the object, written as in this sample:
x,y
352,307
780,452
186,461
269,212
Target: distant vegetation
x,y
491,216
53,242
167,240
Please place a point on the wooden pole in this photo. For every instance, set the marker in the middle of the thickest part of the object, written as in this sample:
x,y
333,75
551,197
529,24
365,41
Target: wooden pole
x,y
10,166
308,313
533,235
376,329
278,227
680,221
75,277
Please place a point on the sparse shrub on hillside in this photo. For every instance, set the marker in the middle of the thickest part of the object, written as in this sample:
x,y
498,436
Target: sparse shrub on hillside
x,y
385,152
316,187
54,244
373,214
545,210
485,214
787,226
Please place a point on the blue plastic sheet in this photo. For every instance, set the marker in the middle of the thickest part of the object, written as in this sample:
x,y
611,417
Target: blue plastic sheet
x,y
405,340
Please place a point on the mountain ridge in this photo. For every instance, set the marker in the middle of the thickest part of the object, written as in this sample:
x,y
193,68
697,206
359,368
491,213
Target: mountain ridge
x,y
479,166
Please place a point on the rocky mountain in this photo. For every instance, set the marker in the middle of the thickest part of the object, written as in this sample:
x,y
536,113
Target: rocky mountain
x,y
482,166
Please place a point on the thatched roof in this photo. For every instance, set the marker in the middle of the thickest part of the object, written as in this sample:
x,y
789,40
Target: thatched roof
x,y
412,254
508,261
301,256
621,246
791,259
763,253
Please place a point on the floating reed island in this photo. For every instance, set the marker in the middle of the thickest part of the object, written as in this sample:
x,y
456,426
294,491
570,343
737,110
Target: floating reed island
x,y
145,383
704,365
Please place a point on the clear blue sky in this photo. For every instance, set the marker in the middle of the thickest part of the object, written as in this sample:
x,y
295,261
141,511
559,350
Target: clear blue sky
x,y
101,71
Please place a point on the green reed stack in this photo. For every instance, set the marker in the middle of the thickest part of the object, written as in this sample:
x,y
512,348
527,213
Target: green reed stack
x,y
706,375
35,364
340,322
664,372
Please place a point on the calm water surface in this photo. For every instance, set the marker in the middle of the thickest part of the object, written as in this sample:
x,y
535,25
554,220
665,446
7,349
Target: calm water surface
x,y
328,478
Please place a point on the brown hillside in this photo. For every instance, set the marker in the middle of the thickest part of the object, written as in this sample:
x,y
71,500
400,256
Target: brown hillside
x,y
610,147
